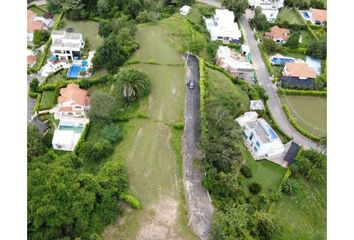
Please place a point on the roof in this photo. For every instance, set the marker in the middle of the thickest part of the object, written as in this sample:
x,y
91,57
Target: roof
x,y
40,125
319,15
185,8
300,70
256,105
278,32
31,59
246,117
31,24
263,130
288,81
292,153
63,137
73,93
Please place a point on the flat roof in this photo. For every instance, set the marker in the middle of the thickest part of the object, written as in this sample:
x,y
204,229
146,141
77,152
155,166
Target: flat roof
x,y
263,130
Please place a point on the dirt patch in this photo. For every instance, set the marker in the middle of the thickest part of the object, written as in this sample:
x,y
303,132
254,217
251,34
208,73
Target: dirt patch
x,y
160,224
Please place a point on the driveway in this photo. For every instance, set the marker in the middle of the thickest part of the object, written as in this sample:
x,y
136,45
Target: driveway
x,y
198,201
273,103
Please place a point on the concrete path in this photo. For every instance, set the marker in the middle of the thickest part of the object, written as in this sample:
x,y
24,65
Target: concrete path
x,y
274,103
215,3
198,201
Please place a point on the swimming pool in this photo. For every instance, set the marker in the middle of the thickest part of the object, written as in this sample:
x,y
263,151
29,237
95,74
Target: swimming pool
x,y
77,129
270,132
306,15
74,71
281,61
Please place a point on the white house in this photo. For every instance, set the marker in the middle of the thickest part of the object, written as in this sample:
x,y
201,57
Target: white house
x,y
256,105
222,26
259,137
185,10
270,8
234,64
66,46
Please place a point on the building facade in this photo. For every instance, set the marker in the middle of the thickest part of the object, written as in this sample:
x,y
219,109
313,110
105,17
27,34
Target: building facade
x,y
66,46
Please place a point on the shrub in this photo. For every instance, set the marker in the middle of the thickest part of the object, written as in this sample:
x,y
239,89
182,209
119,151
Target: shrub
x,y
102,107
178,126
318,49
293,41
266,59
290,187
246,171
34,85
96,151
302,92
40,36
113,133
142,116
196,46
255,187
132,201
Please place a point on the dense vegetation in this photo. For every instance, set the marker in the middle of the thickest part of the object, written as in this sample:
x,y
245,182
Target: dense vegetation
x,y
237,6
260,21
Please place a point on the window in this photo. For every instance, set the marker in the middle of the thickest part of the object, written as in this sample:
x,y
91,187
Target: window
x,y
251,136
255,149
244,135
257,144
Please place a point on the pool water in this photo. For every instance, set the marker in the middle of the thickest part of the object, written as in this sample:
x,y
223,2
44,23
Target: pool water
x,y
306,15
74,71
71,128
281,61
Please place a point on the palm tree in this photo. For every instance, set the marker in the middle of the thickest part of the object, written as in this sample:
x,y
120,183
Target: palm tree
x,y
133,84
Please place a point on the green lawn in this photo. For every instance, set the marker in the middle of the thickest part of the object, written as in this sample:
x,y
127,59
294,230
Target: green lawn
x,y
303,216
37,11
306,38
297,55
264,172
88,29
222,89
146,149
58,76
49,99
310,112
289,15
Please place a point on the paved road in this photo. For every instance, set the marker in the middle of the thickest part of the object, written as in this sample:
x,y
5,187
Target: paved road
x,y
199,205
273,103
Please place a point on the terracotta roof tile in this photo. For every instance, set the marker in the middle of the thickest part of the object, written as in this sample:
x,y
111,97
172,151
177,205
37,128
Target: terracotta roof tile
x,y
319,15
31,24
73,93
277,32
31,59
300,70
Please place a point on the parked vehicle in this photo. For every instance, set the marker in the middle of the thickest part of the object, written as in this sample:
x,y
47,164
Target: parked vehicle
x,y
191,84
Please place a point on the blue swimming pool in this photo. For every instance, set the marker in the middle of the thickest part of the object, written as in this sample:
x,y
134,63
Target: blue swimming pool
x,y
306,15
70,126
74,71
281,61
271,132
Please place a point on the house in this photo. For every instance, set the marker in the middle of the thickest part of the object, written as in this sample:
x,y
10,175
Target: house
x,y
270,8
66,46
31,60
185,10
32,25
234,63
222,26
73,102
256,105
259,137
318,16
277,3
298,75
278,34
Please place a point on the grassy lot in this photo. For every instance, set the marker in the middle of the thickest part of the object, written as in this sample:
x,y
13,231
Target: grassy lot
x,y
289,15
37,11
146,150
306,38
88,29
223,88
197,12
303,216
297,55
264,172
321,33
310,112
49,99
59,76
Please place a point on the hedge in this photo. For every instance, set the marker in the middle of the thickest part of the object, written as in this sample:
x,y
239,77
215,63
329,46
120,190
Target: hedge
x,y
293,26
203,93
236,46
266,59
82,138
36,106
296,125
32,94
286,50
302,92
132,201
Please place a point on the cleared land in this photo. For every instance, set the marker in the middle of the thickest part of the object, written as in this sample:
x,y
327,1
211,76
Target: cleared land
x,y
146,150
49,99
303,216
289,15
88,29
310,112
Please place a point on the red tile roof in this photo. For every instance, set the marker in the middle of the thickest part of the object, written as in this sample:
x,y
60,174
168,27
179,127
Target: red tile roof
x,y
73,93
300,70
31,59
31,24
319,15
277,32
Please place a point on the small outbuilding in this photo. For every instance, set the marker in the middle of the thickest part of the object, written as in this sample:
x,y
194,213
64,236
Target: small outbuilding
x,y
185,10
256,105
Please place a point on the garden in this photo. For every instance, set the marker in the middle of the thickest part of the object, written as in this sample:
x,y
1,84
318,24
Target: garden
x,y
289,15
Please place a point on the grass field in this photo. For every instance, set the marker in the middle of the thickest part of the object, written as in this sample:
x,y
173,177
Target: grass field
x,y
146,149
306,38
289,15
303,216
223,88
49,99
309,112
88,29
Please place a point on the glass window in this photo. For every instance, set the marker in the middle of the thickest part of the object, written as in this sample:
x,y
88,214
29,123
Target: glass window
x,y
251,136
257,144
255,149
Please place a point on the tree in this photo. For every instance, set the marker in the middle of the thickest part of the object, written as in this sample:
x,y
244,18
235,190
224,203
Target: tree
x,y
40,36
319,4
246,171
132,84
35,144
196,46
110,54
255,187
34,85
54,6
318,49
293,40
96,151
102,107
112,133
73,9
260,20
237,6
266,225
269,45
